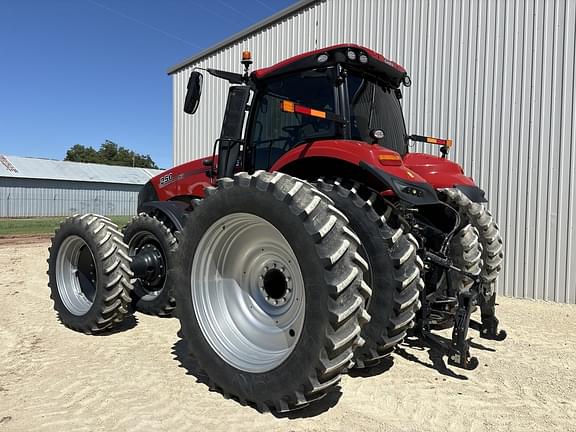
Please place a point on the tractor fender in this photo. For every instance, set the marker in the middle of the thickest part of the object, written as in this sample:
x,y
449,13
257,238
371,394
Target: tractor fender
x,y
443,173
417,193
474,193
360,161
174,211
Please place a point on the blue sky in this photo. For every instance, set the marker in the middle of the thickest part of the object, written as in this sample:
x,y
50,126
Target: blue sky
x,y
83,71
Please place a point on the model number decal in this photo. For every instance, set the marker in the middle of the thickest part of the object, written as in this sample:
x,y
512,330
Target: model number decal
x,y
164,180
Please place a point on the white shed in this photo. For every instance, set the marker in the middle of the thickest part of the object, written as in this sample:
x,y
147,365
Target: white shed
x,y
45,187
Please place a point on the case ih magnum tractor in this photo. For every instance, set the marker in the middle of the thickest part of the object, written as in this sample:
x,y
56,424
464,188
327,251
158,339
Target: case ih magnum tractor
x,y
310,242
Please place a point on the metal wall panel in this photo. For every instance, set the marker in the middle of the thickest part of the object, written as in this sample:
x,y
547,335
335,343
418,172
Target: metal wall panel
x,y
28,197
497,76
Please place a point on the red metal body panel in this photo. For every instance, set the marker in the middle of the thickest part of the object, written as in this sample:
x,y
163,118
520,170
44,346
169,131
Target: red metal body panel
x,y
440,173
349,151
188,179
261,73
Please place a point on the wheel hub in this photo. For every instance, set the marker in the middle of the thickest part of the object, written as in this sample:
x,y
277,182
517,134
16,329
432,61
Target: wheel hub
x,y
275,284
148,265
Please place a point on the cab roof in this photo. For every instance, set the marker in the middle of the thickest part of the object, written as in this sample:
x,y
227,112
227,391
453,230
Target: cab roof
x,y
376,63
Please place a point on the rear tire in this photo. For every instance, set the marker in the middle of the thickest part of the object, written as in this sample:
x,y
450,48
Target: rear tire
x,y
154,296
393,273
89,273
264,234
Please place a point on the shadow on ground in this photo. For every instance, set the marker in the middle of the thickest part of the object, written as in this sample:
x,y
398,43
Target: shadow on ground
x,y
435,355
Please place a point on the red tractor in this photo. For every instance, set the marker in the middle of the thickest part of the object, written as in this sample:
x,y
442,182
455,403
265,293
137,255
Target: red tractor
x,y
310,242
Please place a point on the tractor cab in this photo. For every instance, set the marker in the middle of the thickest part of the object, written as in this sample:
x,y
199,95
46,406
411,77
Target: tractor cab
x,y
344,92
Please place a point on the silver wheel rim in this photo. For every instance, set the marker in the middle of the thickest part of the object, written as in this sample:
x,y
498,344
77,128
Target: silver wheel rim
x,y
73,281
248,292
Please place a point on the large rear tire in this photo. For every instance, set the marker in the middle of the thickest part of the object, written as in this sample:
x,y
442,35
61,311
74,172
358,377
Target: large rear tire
x,y
149,236
89,273
270,294
393,273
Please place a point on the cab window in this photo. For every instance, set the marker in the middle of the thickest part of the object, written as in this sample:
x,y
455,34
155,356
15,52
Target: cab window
x,y
275,132
375,106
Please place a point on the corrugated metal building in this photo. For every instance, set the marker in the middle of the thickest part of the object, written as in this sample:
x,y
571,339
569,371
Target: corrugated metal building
x,y
43,187
497,76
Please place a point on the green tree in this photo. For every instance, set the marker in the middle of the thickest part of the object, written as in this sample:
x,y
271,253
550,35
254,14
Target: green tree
x,y
109,153
79,153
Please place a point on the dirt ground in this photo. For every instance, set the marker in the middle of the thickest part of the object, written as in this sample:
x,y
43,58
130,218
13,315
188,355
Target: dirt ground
x,y
138,378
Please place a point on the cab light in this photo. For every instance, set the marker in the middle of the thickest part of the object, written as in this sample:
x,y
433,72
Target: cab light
x,y
363,58
351,55
390,159
246,55
322,58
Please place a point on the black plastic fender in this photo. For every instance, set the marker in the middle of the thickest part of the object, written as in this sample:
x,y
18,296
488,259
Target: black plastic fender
x,y
412,192
175,211
473,192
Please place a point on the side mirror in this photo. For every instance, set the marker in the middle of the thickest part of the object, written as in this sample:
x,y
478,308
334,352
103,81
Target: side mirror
x,y
193,93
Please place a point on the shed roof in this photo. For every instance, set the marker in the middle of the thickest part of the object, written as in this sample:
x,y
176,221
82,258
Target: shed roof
x,y
290,10
49,169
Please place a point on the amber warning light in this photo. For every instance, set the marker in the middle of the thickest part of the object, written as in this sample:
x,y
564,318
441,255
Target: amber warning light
x,y
246,55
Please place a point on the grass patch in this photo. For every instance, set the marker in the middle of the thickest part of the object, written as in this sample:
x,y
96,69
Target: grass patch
x,y
42,226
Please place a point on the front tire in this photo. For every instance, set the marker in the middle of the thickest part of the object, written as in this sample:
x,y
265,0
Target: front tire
x,y
89,273
492,246
153,292
277,325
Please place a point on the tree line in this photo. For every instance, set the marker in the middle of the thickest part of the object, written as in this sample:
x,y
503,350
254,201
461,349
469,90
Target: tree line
x,y
109,153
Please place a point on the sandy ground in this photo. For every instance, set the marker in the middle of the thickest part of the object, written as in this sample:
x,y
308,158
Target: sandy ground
x,y
53,379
